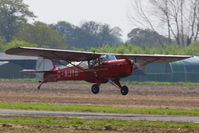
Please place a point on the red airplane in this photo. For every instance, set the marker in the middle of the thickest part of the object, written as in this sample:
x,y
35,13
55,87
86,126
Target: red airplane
x,y
63,65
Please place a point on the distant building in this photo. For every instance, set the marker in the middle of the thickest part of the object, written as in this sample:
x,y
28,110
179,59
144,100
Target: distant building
x,y
180,71
11,66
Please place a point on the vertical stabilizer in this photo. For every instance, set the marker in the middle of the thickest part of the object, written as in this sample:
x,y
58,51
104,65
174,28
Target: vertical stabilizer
x,y
43,65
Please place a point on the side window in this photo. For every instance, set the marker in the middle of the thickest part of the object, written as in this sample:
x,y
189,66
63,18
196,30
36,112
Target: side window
x,y
103,59
94,63
60,63
84,64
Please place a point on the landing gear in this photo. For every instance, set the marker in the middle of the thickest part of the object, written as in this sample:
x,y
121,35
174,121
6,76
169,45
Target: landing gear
x,y
40,85
95,89
124,90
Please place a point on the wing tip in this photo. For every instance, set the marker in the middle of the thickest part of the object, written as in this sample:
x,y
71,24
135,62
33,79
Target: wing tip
x,y
12,51
9,51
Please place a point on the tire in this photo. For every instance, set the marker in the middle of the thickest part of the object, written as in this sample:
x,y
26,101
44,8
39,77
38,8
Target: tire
x,y
95,89
124,90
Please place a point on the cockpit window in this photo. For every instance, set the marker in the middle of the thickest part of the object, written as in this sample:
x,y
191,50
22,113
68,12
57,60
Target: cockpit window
x,y
111,57
107,57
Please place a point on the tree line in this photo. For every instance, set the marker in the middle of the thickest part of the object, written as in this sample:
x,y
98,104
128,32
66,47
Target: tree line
x,y
14,27
127,48
179,18
15,30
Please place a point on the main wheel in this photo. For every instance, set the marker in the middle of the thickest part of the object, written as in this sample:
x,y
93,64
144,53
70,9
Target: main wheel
x,y
124,90
95,89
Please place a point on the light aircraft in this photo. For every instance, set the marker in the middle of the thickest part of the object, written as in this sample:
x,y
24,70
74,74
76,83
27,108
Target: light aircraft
x,y
63,65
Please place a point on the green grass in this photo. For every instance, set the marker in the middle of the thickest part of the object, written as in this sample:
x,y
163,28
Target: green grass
x,y
100,109
63,121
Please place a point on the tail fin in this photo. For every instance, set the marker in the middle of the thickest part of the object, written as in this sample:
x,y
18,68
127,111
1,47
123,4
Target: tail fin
x,y
43,65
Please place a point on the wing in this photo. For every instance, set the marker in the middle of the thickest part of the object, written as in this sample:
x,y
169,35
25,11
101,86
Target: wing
x,y
70,55
147,58
67,55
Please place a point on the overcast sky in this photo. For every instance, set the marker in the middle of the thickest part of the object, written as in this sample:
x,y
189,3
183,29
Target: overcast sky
x,y
112,12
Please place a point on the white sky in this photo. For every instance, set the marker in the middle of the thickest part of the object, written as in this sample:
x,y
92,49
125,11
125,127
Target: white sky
x,y
112,12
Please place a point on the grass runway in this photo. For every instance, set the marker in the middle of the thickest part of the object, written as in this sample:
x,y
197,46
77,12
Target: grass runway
x,y
167,99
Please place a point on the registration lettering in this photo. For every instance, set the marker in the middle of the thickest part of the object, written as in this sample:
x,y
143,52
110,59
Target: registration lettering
x,y
71,73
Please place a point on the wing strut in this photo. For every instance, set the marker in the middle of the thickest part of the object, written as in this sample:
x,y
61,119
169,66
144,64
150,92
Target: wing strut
x,y
70,62
148,62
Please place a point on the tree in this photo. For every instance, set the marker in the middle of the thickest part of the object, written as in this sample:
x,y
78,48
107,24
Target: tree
x,y
13,15
101,33
89,34
16,43
2,40
172,12
41,34
179,17
147,37
67,32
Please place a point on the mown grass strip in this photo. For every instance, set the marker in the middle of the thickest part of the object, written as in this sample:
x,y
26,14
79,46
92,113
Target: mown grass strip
x,y
99,109
63,121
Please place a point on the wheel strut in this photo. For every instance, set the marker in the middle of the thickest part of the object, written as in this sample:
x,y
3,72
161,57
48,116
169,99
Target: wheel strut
x,y
40,85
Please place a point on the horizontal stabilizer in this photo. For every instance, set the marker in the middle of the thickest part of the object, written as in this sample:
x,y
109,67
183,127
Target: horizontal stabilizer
x,y
3,62
32,71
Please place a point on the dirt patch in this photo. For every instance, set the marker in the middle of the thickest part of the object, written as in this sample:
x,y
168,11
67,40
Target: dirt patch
x,y
140,96
87,129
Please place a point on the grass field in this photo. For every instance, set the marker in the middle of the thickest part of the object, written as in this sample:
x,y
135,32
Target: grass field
x,y
99,109
61,121
65,124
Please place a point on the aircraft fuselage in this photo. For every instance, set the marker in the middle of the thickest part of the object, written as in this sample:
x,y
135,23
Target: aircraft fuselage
x,y
102,72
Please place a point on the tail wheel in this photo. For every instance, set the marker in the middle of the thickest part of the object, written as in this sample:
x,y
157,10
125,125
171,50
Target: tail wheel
x,y
95,89
124,90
